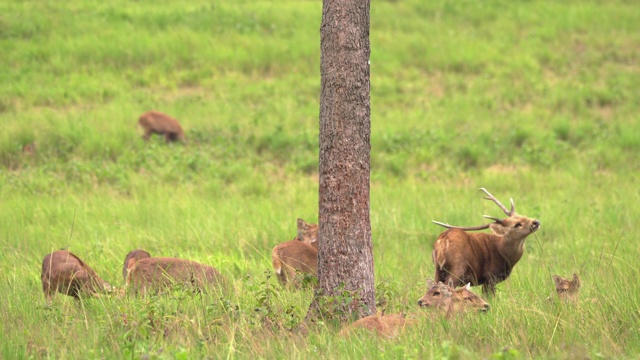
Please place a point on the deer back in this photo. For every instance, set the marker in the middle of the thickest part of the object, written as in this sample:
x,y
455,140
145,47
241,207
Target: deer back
x,y
387,325
64,272
160,273
130,260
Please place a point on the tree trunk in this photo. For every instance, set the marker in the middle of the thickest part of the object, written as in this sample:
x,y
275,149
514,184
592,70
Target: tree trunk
x,y
345,257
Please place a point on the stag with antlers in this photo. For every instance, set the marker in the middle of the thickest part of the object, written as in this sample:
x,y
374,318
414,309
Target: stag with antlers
x,y
483,259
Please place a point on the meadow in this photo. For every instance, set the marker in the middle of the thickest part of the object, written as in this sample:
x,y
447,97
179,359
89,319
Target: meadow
x,y
534,100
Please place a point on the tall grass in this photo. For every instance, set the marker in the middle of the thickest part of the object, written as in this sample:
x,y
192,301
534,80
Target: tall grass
x,y
534,100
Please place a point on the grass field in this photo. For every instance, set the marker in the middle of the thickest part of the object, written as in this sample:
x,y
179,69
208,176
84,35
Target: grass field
x,y
535,100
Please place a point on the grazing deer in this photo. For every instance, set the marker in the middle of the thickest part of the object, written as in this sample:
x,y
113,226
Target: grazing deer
x,y
387,325
297,255
132,257
567,289
443,296
155,122
158,274
483,259
65,273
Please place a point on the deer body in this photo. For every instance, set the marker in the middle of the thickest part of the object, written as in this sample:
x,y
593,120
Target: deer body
x,y
65,273
483,259
387,325
479,259
155,122
131,259
297,255
157,274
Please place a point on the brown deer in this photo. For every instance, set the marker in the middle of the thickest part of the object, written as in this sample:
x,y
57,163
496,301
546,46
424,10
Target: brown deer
x,y
65,273
567,289
438,296
154,274
483,259
443,296
155,122
297,255
385,325
131,259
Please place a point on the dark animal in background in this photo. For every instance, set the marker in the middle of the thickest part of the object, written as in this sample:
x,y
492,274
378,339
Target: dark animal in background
x,y
483,259
155,122
299,255
567,289
65,273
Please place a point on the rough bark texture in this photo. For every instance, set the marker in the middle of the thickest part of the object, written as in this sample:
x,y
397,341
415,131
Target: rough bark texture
x,y
345,251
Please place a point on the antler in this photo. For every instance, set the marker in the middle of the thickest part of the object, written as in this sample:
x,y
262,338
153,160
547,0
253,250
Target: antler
x,y
485,226
467,228
492,198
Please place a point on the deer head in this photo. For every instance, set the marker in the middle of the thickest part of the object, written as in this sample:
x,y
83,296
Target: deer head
x,y
514,226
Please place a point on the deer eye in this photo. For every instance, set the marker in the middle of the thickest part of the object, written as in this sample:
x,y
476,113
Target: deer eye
x,y
437,293
518,225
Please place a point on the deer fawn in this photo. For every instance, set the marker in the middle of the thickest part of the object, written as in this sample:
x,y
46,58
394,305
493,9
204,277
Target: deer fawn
x,y
443,296
567,289
146,273
297,255
65,273
483,259
155,122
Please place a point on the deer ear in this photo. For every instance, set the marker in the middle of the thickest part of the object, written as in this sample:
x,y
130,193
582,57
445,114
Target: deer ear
x,y
557,279
576,280
430,283
497,229
302,224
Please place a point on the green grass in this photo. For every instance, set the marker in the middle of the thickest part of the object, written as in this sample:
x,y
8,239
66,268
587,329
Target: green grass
x,y
535,100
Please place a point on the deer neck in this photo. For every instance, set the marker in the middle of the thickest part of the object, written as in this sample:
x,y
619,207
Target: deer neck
x,y
511,249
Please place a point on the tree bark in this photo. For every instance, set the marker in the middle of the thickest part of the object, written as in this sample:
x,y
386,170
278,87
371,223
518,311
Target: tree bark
x,y
345,256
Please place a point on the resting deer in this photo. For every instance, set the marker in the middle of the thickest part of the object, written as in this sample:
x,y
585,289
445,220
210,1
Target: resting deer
x,y
131,259
145,274
443,296
65,273
387,325
155,122
567,289
297,255
438,296
483,259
